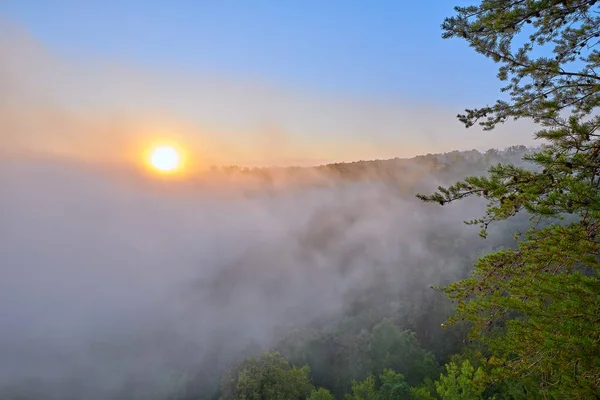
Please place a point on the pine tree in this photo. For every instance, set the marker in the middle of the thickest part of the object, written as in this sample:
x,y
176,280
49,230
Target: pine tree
x,y
538,306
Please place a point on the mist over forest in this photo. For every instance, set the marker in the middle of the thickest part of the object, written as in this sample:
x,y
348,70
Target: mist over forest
x,y
136,263
123,291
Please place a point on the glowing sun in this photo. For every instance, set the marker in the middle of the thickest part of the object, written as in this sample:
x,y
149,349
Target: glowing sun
x,y
165,158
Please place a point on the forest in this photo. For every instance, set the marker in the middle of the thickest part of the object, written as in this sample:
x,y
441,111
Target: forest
x,y
462,275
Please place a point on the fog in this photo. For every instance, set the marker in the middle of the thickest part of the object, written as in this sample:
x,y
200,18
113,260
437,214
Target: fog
x,y
108,278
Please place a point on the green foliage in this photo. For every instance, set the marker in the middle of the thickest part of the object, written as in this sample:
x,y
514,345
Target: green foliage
x,y
538,306
355,347
320,394
422,393
393,386
365,390
524,389
461,382
547,56
392,348
472,353
269,377
337,354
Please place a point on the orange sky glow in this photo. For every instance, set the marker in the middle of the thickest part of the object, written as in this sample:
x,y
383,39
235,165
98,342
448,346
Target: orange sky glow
x,y
112,112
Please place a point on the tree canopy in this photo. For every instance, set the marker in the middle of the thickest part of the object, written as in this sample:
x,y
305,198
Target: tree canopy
x,y
267,377
538,306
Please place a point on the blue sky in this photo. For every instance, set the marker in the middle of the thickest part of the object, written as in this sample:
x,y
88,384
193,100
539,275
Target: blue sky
x,y
372,48
377,52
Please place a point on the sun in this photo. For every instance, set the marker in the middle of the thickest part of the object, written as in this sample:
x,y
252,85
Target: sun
x,y
165,158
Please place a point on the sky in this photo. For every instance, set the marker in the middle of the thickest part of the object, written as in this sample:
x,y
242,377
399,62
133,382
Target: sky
x,y
294,82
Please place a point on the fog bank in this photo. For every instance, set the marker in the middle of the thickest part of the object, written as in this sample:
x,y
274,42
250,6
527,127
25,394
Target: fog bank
x,y
105,283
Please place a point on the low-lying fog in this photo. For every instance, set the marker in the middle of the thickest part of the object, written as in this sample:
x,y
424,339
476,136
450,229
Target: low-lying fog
x,y
105,278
